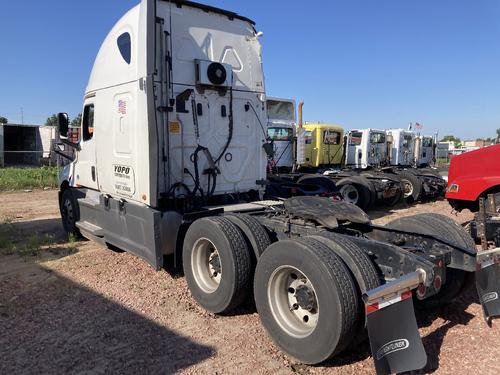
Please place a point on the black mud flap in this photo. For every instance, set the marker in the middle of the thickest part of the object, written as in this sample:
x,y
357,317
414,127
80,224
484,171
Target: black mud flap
x,y
488,282
394,338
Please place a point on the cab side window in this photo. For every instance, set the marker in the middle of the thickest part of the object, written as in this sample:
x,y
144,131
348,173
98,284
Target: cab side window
x,y
88,122
331,137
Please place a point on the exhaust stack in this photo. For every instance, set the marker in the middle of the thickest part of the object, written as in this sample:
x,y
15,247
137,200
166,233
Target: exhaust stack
x,y
301,123
300,140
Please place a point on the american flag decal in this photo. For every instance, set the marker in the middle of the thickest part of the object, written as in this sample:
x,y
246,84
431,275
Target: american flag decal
x,y
122,107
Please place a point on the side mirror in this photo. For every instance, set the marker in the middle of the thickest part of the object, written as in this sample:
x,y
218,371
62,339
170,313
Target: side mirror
x,y
63,124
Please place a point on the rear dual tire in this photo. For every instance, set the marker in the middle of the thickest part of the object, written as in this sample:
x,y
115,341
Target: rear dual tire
x,y
217,264
219,257
357,191
307,297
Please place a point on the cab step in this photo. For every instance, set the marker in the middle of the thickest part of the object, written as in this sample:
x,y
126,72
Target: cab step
x,y
90,228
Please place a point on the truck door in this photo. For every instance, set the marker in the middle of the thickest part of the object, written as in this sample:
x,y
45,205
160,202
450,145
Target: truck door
x,y
309,147
331,147
354,149
85,169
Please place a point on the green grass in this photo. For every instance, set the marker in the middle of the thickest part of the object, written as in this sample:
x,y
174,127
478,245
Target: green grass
x,y
28,178
442,161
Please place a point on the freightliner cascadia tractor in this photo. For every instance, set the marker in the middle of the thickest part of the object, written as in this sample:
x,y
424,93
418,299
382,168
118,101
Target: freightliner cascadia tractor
x,y
172,161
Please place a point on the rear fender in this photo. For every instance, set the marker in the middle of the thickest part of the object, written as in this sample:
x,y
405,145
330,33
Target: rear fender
x,y
461,258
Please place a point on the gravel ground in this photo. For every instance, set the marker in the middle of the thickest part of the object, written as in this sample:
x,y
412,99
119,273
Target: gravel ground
x,y
82,309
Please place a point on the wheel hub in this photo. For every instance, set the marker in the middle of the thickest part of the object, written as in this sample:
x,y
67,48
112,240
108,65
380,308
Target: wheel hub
x,y
349,194
206,265
408,188
294,303
305,298
68,210
214,262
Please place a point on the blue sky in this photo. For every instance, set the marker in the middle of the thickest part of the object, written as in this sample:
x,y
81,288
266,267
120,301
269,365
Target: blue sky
x,y
357,63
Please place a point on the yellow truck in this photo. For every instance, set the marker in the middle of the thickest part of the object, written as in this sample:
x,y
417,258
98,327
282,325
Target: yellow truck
x,y
324,145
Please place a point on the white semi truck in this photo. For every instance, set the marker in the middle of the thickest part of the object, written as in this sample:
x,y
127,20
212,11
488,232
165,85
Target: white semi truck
x,y
398,152
172,161
425,151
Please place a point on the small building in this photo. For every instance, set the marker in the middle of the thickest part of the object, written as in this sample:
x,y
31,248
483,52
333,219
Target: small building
x,y
25,145
474,145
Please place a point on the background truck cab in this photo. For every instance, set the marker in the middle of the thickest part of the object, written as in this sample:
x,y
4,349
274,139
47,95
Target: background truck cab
x,y
323,145
424,151
366,148
401,147
282,120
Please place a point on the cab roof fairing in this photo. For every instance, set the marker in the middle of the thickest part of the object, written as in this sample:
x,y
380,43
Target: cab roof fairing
x,y
109,69
208,9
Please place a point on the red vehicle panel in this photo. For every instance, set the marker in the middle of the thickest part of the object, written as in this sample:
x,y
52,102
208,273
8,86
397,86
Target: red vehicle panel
x,y
474,173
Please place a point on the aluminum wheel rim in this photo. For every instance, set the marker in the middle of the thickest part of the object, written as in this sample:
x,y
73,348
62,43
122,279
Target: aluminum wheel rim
x,y
408,188
349,194
206,266
297,316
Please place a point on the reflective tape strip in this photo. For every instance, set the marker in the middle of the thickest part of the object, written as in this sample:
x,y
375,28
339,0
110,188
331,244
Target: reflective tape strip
x,y
400,296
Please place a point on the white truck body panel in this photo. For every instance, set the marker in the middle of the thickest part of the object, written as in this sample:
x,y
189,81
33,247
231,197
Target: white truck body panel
x,y
402,149
139,148
282,121
366,148
424,150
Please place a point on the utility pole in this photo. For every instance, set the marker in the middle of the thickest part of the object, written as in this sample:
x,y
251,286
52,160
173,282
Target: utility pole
x,y
22,116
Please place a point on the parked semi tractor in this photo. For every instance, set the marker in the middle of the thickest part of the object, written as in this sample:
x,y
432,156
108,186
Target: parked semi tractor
x,y
317,160
172,161
474,184
392,153
425,151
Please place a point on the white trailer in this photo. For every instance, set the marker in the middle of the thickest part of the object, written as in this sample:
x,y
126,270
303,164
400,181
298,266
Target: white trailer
x,y
172,160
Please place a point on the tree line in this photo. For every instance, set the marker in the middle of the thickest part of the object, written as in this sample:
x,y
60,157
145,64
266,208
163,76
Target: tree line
x,y
52,121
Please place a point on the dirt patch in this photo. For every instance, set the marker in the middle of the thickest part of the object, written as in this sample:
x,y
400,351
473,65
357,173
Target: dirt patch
x,y
85,309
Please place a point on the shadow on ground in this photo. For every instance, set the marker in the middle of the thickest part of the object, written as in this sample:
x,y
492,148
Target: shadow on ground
x,y
57,326
33,234
453,313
